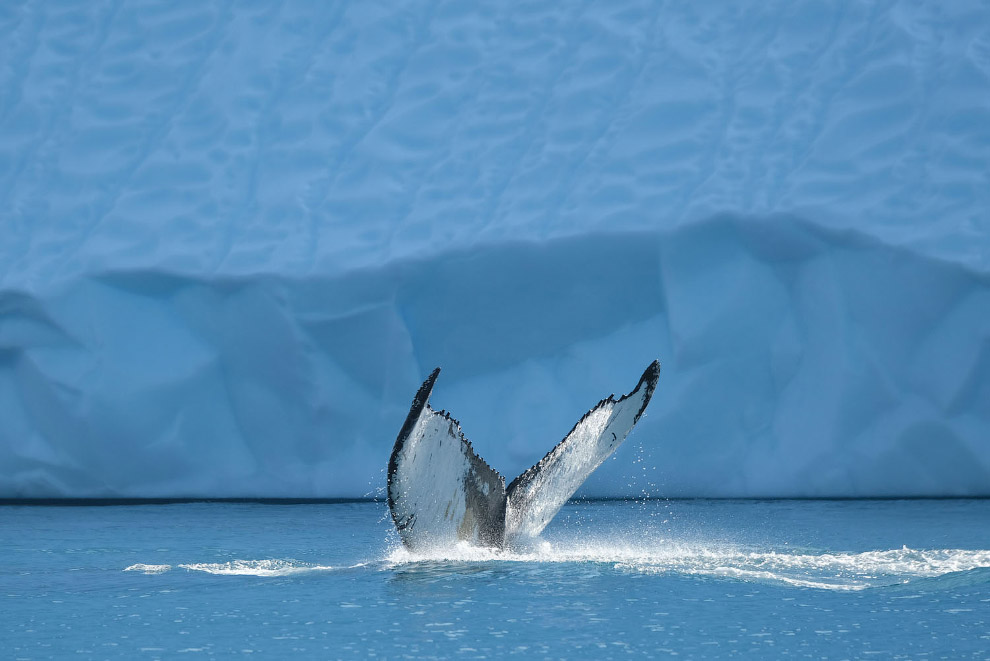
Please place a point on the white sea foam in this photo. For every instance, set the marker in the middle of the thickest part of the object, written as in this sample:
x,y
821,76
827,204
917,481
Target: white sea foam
x,y
268,567
271,567
828,571
834,571
831,571
149,569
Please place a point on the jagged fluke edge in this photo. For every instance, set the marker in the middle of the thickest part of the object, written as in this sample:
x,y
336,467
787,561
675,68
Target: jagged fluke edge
x,y
422,401
650,378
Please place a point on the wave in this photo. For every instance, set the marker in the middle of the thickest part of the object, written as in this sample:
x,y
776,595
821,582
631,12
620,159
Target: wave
x,y
270,567
965,578
904,568
149,569
830,571
821,570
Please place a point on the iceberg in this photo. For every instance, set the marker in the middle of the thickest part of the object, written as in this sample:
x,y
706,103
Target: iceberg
x,y
233,240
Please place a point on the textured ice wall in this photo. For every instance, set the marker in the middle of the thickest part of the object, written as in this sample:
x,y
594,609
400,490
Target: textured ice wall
x,y
233,241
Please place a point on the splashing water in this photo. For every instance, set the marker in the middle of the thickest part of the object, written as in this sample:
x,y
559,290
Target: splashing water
x,y
828,571
629,539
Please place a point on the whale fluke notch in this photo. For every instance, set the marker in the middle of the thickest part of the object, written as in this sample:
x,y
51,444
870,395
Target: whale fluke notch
x,y
441,492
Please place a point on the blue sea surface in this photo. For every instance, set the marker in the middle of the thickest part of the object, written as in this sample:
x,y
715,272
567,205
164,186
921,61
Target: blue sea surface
x,y
695,578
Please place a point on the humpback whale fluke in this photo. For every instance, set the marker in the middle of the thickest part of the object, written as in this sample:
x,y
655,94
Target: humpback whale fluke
x,y
441,492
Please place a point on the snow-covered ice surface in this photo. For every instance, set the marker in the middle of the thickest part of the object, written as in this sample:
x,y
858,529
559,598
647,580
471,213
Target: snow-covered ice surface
x,y
234,240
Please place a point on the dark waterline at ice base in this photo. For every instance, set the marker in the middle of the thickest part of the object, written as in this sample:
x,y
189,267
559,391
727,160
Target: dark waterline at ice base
x,y
835,579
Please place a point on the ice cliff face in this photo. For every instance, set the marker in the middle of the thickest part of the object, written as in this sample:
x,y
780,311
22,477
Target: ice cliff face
x,y
234,241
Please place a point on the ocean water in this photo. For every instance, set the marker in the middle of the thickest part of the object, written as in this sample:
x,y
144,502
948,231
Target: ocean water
x,y
608,579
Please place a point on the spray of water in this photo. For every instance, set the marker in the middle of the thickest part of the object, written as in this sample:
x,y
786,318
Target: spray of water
x,y
828,571
645,551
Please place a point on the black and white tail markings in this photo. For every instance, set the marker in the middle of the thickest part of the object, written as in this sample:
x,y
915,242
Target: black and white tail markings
x,y
440,492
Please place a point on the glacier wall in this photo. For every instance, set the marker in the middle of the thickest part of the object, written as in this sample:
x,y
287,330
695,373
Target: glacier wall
x,y
236,239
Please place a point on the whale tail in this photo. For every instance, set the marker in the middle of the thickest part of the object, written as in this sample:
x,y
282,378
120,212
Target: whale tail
x,y
441,492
